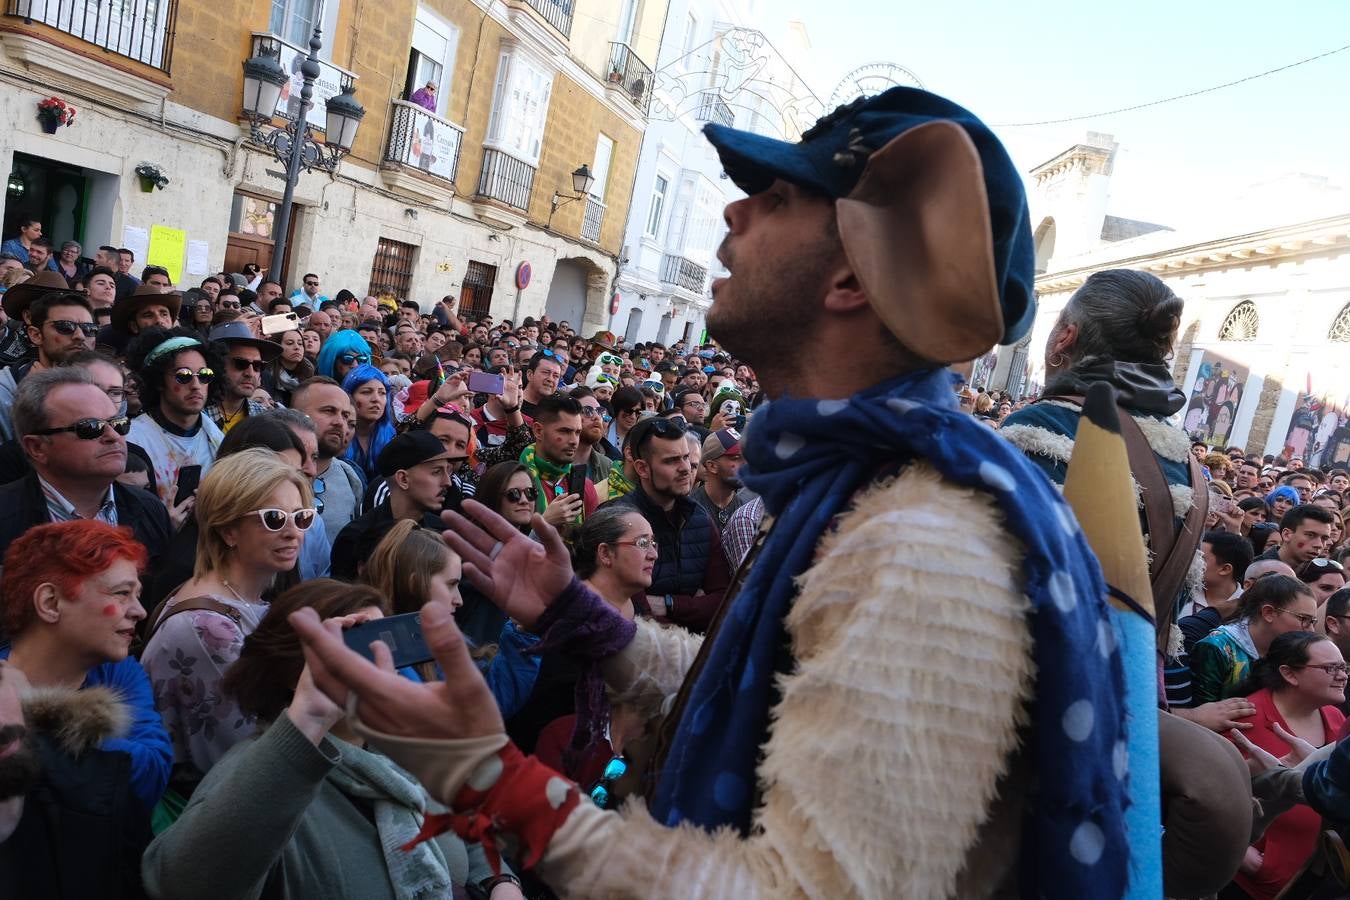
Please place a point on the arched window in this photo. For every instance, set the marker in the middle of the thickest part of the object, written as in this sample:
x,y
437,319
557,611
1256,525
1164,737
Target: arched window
x,y
1044,241
1340,329
1242,323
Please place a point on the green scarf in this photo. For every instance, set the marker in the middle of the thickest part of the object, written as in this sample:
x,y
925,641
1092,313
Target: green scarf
x,y
542,470
619,485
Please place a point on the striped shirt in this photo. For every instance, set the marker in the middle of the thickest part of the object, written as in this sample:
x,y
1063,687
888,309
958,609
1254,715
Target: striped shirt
x,y
62,510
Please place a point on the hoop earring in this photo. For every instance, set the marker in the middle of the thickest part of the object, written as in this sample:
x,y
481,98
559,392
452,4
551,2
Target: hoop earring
x,y
1063,360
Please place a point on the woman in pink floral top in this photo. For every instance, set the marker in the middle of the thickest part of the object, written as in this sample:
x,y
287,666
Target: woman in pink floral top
x,y
252,510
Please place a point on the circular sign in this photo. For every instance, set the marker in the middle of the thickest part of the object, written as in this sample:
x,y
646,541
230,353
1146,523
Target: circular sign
x,y
614,305
523,273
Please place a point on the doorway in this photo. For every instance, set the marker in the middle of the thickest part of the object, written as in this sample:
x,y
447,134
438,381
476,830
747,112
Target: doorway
x,y
567,293
252,237
55,193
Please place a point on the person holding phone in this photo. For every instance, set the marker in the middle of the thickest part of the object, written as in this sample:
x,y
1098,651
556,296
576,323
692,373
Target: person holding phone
x,y
292,366
313,812
562,499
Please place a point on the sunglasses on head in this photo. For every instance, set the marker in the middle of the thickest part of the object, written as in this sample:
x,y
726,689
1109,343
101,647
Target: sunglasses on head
x,y
514,495
66,328
90,429
606,378
274,519
244,365
348,358
609,359
548,353
185,375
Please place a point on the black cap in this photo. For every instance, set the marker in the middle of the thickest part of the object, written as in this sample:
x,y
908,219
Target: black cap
x,y
410,449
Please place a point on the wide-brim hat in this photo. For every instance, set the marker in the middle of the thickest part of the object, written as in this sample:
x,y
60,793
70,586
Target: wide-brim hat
x,y
932,215
237,332
124,310
18,298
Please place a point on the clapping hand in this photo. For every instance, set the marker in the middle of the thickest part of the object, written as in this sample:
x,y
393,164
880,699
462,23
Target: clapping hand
x,y
520,575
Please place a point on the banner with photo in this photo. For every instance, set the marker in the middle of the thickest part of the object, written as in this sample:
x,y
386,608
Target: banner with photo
x,y
1319,430
1215,398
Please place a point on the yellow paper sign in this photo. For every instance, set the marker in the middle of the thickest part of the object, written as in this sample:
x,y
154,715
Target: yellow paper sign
x,y
168,248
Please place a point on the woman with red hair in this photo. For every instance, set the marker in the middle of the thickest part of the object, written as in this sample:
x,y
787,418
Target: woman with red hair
x,y
70,603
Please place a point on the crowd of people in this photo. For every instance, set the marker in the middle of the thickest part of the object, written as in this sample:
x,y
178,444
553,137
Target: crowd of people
x,y
839,630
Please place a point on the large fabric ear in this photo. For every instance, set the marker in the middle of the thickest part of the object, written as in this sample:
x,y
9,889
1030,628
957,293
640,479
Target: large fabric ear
x,y
916,230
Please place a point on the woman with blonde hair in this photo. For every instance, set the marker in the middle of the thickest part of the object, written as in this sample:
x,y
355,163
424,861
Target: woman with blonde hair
x,y
252,511
412,565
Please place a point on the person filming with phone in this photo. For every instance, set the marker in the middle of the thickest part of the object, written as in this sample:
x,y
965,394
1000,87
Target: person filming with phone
x,y
565,492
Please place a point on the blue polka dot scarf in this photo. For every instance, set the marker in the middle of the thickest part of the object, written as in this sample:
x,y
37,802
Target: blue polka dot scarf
x,y
807,459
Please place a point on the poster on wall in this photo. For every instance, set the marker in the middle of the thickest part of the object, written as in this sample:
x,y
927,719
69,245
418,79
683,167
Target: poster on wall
x,y
1319,430
1215,398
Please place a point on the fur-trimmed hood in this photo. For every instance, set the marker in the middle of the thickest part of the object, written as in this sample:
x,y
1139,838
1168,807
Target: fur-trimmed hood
x,y
76,720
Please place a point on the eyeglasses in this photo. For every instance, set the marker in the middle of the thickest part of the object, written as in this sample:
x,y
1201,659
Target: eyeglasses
x,y
628,412
311,284
228,304
1332,669
116,395
66,327
243,365
274,519
609,359
514,495
615,769
591,412
348,358
90,429
203,375
696,404
1307,621
319,487
643,543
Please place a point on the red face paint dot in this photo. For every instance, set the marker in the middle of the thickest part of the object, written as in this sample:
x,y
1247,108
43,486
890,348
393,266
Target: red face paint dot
x,y
112,610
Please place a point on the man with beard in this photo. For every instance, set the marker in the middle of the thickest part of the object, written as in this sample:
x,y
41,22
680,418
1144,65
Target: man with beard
x,y
60,323
337,482
590,448
921,602
549,460
176,373
245,358
721,492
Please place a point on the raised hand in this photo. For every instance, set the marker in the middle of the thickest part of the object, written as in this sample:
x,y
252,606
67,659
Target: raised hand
x,y
520,575
510,387
459,707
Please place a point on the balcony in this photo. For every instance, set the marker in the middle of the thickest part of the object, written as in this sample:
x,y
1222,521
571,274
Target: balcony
x,y
136,29
683,273
630,76
557,13
594,219
421,142
712,108
506,180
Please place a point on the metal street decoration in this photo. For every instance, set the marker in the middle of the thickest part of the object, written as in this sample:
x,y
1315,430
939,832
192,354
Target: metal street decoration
x,y
870,80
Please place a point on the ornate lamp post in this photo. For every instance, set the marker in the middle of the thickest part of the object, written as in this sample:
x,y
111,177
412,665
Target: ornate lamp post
x,y
294,145
582,179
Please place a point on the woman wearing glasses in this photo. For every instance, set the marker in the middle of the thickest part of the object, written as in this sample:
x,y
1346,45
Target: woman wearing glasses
x,y
1274,605
506,489
1323,577
1296,688
252,511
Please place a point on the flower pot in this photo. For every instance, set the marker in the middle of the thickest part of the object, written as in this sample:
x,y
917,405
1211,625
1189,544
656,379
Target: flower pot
x,y
49,124
147,185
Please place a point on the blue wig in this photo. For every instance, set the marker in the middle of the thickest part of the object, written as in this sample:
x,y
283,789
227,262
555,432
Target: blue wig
x,y
384,429
1283,490
340,342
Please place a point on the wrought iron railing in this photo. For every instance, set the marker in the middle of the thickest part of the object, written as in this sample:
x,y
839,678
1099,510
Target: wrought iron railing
x,y
593,220
630,74
137,29
683,273
557,13
423,140
506,179
712,108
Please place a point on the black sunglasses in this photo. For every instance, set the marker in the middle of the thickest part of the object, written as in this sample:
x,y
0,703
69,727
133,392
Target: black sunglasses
x,y
185,375
66,327
514,494
666,429
90,429
348,358
243,364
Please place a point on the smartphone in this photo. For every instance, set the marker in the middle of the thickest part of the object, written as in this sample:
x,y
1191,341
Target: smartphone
x,y
576,480
280,323
188,479
738,423
402,634
486,383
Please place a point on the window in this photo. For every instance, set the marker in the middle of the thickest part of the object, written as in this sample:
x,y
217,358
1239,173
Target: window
x,y
432,58
1242,323
627,17
690,35
604,151
1340,329
391,273
475,292
252,216
519,106
658,205
293,21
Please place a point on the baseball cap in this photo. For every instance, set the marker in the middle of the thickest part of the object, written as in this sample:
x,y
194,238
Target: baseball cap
x,y
410,449
914,177
720,443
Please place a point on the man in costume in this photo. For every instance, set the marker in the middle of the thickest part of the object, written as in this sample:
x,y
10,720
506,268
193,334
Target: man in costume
x,y
912,689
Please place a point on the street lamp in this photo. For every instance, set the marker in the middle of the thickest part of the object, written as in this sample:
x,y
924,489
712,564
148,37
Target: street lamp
x,y
582,179
293,144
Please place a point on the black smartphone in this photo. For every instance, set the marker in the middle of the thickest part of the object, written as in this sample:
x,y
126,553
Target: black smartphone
x,y
402,634
576,479
188,479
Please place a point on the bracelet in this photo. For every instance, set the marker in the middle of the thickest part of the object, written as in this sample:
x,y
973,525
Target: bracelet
x,y
510,409
487,885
